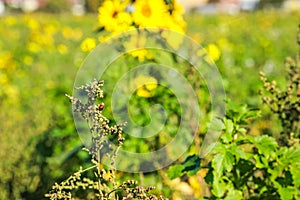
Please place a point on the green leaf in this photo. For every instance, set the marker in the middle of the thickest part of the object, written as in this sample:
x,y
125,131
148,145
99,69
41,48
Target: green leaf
x,y
190,166
266,145
223,162
260,161
237,151
289,155
229,127
286,193
295,171
175,171
234,195
216,124
219,188
240,113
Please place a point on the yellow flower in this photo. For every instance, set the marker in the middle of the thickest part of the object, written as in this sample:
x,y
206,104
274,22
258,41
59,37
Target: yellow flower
x,y
170,23
149,13
175,21
214,52
88,44
50,29
141,54
28,60
145,84
12,92
33,47
3,79
141,92
10,21
112,16
70,33
62,49
33,24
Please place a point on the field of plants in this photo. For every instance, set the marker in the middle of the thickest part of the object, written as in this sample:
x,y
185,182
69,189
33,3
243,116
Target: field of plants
x,y
256,157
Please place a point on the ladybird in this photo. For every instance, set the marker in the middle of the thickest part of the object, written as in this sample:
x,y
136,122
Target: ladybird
x,y
101,106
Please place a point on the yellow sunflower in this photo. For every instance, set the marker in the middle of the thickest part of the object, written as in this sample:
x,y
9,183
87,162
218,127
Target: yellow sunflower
x,y
177,14
149,13
112,16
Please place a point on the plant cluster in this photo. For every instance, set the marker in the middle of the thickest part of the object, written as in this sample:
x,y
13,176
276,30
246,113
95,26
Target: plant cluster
x,y
116,16
286,103
245,166
105,141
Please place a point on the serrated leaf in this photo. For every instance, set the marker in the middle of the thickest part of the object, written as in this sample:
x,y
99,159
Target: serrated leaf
x,y
286,193
275,172
234,195
216,124
290,155
237,151
295,171
265,144
219,188
190,166
223,162
175,171
227,136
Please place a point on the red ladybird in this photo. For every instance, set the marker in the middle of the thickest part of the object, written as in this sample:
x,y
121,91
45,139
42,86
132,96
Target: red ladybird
x,y
101,106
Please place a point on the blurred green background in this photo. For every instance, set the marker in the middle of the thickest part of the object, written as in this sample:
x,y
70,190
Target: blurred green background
x,y
40,54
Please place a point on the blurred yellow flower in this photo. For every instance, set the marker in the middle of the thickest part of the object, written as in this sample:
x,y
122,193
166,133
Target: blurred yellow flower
x,y
62,49
112,16
195,184
32,24
213,52
141,54
33,47
50,29
142,92
223,43
145,84
170,23
28,60
3,79
6,61
150,13
12,92
175,20
70,33
88,44
10,20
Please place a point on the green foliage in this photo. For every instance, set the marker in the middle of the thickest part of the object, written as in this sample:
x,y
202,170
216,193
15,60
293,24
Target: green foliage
x,y
286,104
190,167
245,166
104,138
57,6
38,140
242,166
